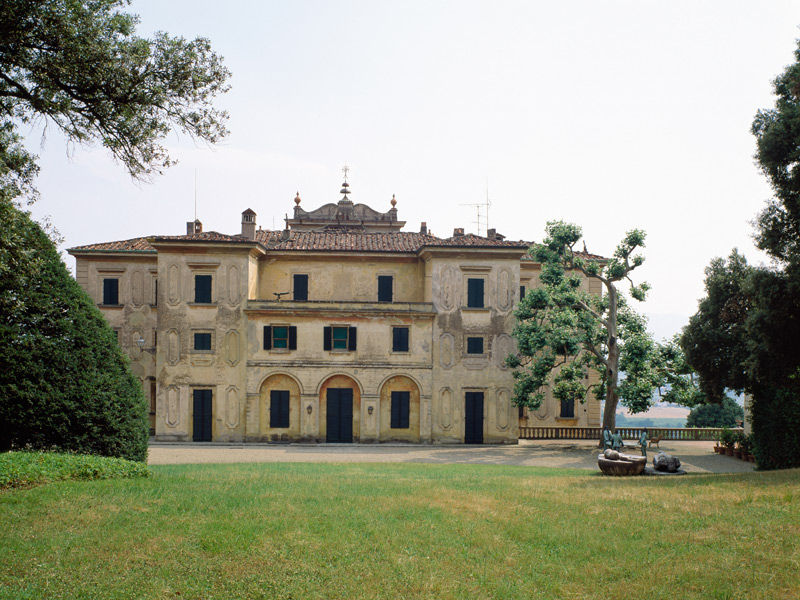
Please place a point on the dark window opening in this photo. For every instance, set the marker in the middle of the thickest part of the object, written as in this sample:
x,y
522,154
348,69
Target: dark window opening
x,y
202,341
111,292
279,408
400,339
339,338
522,292
202,289
475,293
280,337
385,288
568,408
400,410
300,287
474,345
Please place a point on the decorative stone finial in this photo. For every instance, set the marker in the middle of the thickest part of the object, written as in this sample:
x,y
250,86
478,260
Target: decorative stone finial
x,y
393,202
297,199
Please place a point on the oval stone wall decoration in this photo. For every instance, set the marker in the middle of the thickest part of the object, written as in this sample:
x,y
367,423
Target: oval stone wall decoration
x,y
232,409
173,347
446,408
173,284
447,289
504,290
503,408
232,347
137,288
173,414
234,295
502,347
446,350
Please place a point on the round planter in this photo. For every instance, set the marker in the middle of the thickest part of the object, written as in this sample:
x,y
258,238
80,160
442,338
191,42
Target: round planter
x,y
729,451
737,454
630,465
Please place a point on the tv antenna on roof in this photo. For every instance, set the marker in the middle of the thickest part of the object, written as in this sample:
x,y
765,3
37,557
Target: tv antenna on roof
x,y
482,206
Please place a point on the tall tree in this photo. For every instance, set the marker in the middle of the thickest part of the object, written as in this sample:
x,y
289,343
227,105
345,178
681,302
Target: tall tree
x,y
562,330
64,382
79,65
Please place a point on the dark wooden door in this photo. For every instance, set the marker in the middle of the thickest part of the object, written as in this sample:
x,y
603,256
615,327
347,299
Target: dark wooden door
x,y
202,416
340,415
473,418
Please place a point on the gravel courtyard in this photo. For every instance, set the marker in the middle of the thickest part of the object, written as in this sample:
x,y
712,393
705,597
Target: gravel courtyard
x,y
696,457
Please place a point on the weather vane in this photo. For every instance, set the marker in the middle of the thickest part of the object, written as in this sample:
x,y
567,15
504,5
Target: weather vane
x,y
345,170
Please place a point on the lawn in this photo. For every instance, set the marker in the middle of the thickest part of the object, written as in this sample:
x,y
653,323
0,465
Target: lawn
x,y
402,531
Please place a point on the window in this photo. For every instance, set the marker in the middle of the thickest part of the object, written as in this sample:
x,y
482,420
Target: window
x,y
400,410
400,339
111,292
474,345
202,289
155,292
568,408
279,408
385,288
522,292
475,293
339,338
300,287
280,337
202,341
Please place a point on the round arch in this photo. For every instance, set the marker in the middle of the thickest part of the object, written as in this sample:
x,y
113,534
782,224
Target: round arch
x,y
399,409
279,408
333,388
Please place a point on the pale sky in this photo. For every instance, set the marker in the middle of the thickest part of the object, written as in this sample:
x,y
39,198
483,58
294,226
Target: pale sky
x,y
612,115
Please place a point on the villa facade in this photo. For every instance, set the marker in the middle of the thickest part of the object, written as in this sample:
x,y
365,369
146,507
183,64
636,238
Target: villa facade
x,y
339,328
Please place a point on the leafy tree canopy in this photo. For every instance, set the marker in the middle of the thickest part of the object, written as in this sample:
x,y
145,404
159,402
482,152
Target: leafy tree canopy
x,y
563,330
716,415
777,132
80,65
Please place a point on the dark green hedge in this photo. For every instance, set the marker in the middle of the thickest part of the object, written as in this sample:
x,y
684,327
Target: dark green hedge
x,y
775,417
64,382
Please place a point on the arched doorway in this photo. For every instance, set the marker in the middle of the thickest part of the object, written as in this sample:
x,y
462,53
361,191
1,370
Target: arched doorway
x,y
279,404
340,410
399,410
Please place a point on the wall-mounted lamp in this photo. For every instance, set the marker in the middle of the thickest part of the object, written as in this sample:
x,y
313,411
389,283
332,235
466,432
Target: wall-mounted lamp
x,y
140,343
370,409
309,408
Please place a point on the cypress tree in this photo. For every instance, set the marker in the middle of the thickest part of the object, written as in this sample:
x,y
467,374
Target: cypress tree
x,y
64,382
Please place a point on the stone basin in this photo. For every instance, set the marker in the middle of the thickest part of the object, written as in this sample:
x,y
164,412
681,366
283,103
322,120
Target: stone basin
x,y
626,465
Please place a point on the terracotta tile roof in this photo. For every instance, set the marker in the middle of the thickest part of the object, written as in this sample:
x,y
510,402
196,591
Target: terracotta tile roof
x,y
203,236
330,240
351,240
133,245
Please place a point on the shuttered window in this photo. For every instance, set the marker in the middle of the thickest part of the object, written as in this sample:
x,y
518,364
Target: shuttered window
x,y
385,288
400,339
202,289
475,293
280,337
300,287
339,337
400,410
474,345
202,341
111,291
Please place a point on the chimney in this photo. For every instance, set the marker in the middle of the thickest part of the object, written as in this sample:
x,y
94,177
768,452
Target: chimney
x,y
249,224
423,228
193,227
458,232
491,234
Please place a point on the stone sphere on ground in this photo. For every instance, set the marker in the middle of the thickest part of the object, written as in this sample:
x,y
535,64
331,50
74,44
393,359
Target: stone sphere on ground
x,y
666,462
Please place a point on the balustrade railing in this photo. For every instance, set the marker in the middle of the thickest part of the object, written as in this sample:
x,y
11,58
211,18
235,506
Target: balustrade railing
x,y
627,433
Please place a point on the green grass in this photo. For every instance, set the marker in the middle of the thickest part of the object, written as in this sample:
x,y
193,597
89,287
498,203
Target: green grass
x,y
21,469
402,531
